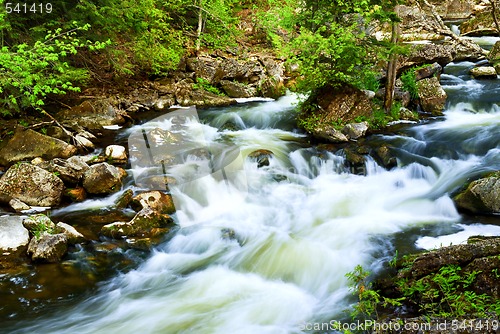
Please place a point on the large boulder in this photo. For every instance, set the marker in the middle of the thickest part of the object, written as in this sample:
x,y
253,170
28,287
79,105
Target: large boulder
x,y
156,200
481,21
432,96
147,223
206,68
421,54
481,196
31,185
237,90
48,247
14,239
92,115
27,144
70,171
103,178
494,55
343,104
187,96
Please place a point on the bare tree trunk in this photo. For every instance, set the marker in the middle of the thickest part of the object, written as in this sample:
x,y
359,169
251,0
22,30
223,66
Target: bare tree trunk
x,y
494,14
391,69
200,26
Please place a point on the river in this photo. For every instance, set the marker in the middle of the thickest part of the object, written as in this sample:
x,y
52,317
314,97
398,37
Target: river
x,y
270,254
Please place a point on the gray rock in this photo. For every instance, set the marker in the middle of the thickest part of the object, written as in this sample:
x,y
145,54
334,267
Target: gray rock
x,y
432,95
484,72
29,144
48,247
355,130
481,196
329,133
156,200
494,55
102,178
186,96
72,235
428,71
71,171
237,90
32,185
18,205
206,68
14,239
146,223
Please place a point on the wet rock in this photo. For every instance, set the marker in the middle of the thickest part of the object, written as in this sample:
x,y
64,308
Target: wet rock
x,y
355,130
407,115
354,160
71,171
484,72
48,247
18,205
262,157
14,239
102,178
32,185
124,200
72,235
432,96
147,223
271,87
481,196
237,90
116,153
384,157
29,144
77,194
93,115
156,200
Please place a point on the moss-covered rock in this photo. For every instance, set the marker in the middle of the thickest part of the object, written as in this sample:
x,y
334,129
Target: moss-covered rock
x,y
432,96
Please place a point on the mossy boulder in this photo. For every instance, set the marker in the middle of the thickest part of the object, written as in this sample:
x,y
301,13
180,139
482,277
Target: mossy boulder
x,y
27,144
146,223
31,185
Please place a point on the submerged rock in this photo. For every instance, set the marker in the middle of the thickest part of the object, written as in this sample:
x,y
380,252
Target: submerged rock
x,y
14,239
29,144
261,157
481,196
103,178
32,185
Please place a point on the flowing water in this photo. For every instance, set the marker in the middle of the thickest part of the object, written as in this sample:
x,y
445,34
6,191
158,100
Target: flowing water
x,y
272,256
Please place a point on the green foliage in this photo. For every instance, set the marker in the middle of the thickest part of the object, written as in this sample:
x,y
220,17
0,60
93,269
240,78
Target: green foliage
x,y
370,81
204,84
41,226
409,81
369,300
31,72
447,294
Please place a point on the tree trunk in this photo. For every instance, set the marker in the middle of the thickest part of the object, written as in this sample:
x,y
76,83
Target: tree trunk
x,y
391,69
494,14
200,26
